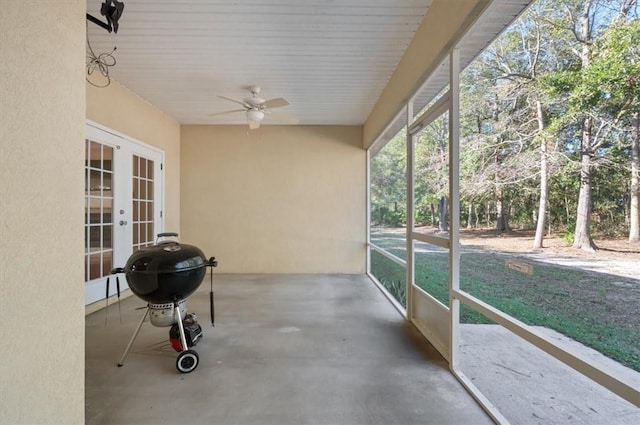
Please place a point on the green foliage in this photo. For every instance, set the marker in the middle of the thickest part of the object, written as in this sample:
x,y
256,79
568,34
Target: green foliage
x,y
391,275
535,62
568,235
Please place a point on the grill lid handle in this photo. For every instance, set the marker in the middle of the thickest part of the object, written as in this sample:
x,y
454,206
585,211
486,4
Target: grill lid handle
x,y
166,235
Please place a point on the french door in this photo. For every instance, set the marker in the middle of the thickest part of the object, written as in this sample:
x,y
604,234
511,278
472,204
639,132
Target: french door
x,y
123,205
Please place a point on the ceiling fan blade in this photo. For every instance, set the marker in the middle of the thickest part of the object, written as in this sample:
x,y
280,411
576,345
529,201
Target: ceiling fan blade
x,y
281,116
275,103
246,105
254,124
227,112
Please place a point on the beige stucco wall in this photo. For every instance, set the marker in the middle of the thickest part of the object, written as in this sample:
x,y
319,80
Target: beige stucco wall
x,y
42,108
122,110
438,33
281,199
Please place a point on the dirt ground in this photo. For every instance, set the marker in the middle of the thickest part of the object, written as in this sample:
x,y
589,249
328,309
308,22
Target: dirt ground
x,y
521,241
614,256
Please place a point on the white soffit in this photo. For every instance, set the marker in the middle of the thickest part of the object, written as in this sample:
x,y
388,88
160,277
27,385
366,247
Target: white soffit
x,y
330,59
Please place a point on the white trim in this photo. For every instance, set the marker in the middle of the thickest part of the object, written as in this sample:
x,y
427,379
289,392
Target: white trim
x,y
434,112
430,239
410,213
368,213
430,336
124,137
482,400
454,207
431,297
399,261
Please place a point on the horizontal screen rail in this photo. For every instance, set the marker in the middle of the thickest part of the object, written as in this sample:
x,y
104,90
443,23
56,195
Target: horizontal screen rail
x,y
388,255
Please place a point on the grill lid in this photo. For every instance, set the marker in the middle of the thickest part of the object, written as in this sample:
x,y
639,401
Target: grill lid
x,y
165,257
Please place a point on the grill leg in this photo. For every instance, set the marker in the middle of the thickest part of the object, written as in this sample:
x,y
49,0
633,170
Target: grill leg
x,y
133,338
183,338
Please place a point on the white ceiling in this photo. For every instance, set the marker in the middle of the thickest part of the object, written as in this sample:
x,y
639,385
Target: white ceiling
x,y
330,59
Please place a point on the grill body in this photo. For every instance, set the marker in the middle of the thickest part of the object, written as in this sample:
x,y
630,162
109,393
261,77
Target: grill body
x,y
165,272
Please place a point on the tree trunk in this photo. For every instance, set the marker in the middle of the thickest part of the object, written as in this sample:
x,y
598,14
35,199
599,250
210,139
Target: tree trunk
x,y
471,213
433,214
502,224
582,235
487,214
634,213
442,212
544,179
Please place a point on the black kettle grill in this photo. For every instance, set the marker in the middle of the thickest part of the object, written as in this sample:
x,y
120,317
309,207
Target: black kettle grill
x,y
164,275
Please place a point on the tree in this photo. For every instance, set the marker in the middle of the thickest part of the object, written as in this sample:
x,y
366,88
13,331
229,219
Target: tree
x,y
634,214
614,78
586,21
388,183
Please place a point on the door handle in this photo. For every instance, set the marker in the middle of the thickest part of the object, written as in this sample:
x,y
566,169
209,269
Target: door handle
x,y
123,222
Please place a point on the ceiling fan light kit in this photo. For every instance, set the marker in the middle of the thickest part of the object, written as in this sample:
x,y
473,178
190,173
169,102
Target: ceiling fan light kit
x,y
256,108
255,115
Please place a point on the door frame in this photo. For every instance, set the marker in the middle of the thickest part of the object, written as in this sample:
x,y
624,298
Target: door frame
x,y
129,146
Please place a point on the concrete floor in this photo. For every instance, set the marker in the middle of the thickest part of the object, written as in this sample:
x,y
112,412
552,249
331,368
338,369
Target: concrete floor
x,y
529,386
301,349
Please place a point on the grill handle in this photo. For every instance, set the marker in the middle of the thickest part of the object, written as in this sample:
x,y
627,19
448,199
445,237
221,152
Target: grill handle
x,y
166,235
212,262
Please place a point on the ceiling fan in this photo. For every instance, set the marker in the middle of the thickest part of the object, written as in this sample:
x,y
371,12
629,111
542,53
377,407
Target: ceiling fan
x,y
256,108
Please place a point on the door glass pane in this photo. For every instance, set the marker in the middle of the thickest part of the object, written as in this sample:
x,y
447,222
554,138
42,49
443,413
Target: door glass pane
x,y
136,237
93,213
107,263
143,189
107,235
94,266
98,210
136,167
143,168
143,232
107,158
136,208
94,238
143,211
106,183
95,181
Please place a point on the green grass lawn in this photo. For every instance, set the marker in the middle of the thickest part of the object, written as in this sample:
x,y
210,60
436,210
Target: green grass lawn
x,y
596,309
